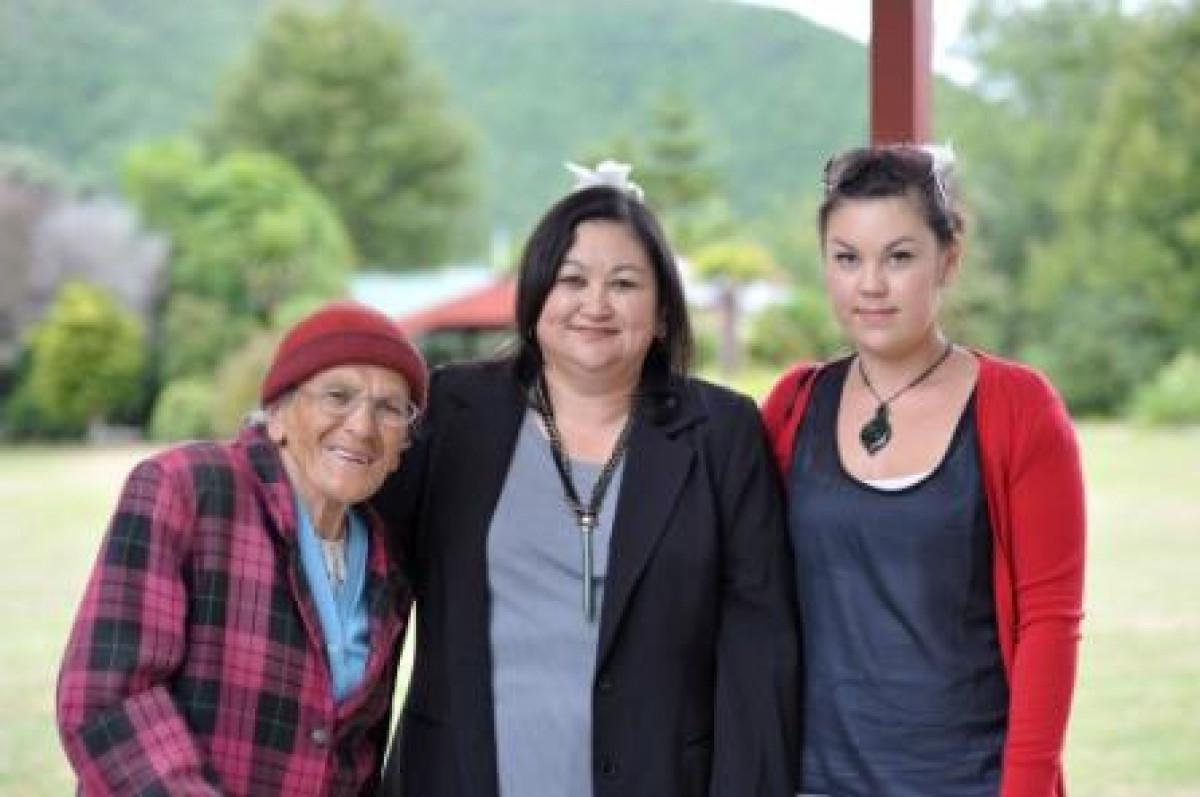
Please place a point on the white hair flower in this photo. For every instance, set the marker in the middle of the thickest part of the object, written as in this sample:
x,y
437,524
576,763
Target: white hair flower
x,y
608,172
943,155
942,159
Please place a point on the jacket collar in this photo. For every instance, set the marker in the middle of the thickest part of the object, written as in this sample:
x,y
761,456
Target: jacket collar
x,y
659,459
384,586
661,456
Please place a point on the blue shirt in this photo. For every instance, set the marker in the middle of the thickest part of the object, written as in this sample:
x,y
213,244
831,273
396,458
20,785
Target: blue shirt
x,y
343,611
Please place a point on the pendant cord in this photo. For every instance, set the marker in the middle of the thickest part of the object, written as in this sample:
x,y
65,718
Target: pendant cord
x,y
920,377
877,432
586,517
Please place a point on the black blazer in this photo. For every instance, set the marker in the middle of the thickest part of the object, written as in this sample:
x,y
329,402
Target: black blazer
x,y
695,689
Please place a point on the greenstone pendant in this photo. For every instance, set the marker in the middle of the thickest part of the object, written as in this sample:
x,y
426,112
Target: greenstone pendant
x,y
877,432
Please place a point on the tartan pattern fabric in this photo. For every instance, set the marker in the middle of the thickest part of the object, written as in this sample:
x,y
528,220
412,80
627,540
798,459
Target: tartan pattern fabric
x,y
196,664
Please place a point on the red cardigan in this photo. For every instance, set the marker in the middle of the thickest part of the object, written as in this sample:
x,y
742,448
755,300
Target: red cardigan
x,y
1034,485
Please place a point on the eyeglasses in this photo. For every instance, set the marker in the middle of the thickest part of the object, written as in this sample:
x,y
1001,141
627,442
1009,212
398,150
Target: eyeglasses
x,y
342,401
913,162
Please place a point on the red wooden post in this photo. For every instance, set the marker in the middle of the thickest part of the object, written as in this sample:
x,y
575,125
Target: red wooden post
x,y
901,71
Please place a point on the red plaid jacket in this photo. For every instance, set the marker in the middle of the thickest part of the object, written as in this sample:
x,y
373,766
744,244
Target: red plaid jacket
x,y
196,664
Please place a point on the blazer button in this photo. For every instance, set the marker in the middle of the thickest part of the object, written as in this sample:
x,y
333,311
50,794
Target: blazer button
x,y
604,684
608,766
319,737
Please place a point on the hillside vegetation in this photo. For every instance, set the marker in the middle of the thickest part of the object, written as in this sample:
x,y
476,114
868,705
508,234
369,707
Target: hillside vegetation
x,y
540,81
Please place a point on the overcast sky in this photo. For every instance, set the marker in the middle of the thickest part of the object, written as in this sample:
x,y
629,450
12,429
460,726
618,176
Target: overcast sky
x,y
853,18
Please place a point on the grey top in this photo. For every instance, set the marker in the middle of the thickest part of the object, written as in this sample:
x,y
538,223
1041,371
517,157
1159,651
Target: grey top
x,y
543,650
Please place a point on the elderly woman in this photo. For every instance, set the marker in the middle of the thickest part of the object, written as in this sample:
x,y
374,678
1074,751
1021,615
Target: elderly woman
x,y
239,632
598,547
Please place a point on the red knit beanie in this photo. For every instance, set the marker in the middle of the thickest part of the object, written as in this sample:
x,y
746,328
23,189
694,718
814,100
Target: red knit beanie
x,y
343,333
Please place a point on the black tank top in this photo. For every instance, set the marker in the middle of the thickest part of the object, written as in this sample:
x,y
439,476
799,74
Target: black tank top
x,y
904,689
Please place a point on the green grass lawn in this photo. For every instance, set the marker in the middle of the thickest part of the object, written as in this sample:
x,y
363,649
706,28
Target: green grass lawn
x,y
1136,726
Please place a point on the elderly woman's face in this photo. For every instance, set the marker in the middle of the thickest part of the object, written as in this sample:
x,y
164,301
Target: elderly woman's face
x,y
342,432
600,317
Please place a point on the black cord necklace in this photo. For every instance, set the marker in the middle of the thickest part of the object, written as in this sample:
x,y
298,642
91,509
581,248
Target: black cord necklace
x,y
586,517
877,432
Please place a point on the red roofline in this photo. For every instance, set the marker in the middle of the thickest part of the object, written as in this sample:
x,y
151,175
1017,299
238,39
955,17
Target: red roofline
x,y
490,307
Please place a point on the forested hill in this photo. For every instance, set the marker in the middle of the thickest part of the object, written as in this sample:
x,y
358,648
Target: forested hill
x,y
541,81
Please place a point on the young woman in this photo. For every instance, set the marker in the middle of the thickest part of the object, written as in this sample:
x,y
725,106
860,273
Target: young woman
x,y
936,513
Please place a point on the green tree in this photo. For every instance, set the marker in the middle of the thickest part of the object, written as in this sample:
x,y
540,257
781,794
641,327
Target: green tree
x,y
789,229
158,176
198,332
1128,242
22,417
87,357
1173,398
183,411
730,266
1039,65
671,162
802,328
256,234
251,237
238,381
676,171
338,93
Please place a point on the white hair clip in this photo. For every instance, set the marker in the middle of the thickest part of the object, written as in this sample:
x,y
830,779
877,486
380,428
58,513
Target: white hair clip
x,y
942,154
609,173
942,160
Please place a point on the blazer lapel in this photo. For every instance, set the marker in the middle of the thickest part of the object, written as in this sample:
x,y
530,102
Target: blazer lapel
x,y
480,431
656,469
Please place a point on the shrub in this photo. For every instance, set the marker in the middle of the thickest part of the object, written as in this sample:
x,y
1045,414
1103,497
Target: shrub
x,y
1173,397
24,420
184,411
20,417
1099,351
87,358
238,382
801,329
197,334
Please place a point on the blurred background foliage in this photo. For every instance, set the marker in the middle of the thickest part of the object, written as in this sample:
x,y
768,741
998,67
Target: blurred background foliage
x,y
209,171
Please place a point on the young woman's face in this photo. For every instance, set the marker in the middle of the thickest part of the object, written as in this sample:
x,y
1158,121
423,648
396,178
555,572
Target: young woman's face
x,y
600,317
884,270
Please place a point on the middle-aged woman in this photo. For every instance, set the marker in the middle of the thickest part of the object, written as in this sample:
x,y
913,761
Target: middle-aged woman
x,y
936,512
239,632
600,564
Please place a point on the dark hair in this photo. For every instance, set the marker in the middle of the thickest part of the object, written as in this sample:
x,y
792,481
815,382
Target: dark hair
x,y
892,170
543,255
